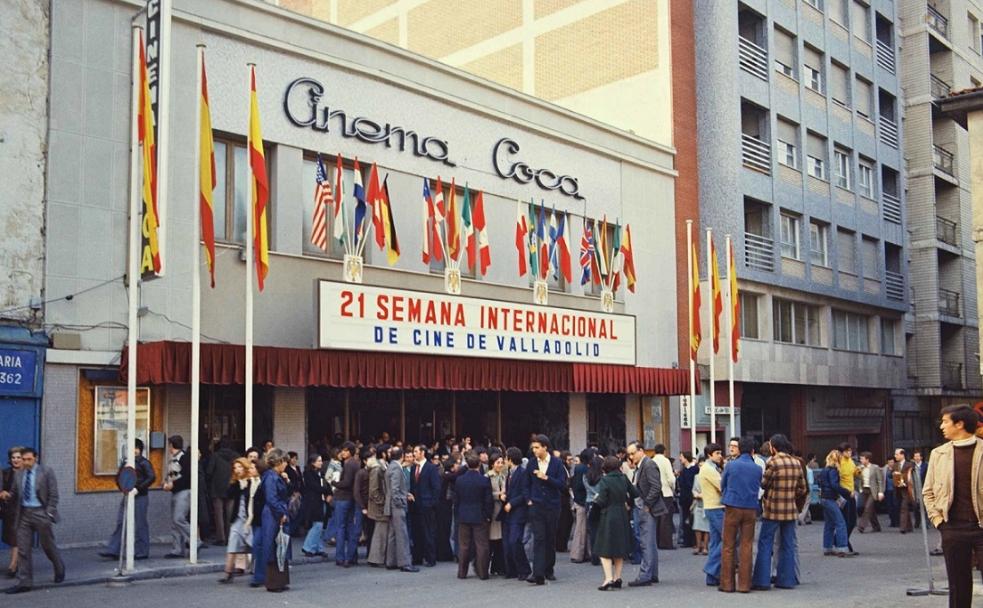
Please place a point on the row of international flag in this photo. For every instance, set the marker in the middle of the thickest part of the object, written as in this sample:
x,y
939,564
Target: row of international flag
x,y
717,301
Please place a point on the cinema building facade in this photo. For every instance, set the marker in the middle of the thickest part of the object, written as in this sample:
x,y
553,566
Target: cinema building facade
x,y
394,353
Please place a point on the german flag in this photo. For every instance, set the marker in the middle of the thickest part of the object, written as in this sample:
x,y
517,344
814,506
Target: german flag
x,y
388,224
150,260
206,176
261,187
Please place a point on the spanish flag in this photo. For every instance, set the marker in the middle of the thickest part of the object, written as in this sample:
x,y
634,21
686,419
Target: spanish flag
x,y
206,176
695,332
735,306
716,296
261,187
150,260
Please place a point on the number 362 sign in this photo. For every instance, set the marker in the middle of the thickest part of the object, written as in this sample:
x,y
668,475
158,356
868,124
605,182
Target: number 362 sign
x,y
17,371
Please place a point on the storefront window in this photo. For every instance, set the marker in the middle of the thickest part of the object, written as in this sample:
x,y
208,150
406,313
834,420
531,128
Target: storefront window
x,y
428,416
606,421
109,450
373,412
526,413
477,416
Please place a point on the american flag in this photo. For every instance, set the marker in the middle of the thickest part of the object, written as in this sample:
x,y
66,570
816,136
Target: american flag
x,y
586,252
322,199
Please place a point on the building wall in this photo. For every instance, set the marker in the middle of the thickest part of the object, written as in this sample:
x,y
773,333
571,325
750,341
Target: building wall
x,y
24,25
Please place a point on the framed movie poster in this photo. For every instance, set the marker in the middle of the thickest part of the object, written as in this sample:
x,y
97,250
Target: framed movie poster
x,y
109,450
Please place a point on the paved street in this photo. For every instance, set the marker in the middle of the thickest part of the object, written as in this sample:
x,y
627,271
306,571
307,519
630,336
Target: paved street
x,y
888,565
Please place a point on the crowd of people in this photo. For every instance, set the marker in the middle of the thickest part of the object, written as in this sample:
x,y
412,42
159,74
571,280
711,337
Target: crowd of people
x,y
506,512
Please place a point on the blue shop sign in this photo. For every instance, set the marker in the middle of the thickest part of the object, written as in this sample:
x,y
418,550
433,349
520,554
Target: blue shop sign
x,y
18,370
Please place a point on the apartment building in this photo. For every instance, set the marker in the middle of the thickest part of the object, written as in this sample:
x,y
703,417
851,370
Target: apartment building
x,y
801,161
941,46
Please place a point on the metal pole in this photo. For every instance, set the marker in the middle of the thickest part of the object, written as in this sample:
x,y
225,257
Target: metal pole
x,y
250,209
133,282
730,335
713,329
692,359
196,312
163,127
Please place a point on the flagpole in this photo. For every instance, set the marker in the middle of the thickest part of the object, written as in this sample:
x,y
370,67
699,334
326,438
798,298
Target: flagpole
x,y
132,284
196,310
713,329
730,336
249,273
692,359
163,125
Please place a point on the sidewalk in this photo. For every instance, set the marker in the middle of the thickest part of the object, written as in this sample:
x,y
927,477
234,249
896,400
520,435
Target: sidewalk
x,y
83,566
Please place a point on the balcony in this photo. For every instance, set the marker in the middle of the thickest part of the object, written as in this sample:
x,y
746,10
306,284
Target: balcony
x,y
946,231
949,303
937,22
756,154
892,207
952,375
942,160
752,58
894,285
939,88
889,131
885,56
759,252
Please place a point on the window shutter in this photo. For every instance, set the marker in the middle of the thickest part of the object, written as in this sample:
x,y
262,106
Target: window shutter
x,y
846,251
784,47
871,267
864,98
839,84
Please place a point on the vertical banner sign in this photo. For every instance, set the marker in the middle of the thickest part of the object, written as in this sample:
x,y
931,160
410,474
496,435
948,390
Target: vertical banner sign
x,y
153,51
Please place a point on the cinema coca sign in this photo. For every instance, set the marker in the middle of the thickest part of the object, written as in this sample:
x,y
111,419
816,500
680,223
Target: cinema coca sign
x,y
363,317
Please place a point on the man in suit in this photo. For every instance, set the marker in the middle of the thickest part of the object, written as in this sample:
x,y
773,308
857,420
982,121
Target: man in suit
x,y
872,491
34,498
547,478
900,471
516,516
651,506
425,485
145,479
920,466
473,509
398,542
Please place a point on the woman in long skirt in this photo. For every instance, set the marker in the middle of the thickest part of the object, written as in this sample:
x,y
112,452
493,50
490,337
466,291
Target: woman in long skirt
x,y
275,517
241,494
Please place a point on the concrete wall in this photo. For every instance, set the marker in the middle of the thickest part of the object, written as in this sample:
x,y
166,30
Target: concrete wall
x,y
24,37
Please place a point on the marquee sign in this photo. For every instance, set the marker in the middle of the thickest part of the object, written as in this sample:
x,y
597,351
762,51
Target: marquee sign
x,y
363,317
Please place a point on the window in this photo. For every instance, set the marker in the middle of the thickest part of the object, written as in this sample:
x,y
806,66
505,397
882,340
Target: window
x,y
850,331
865,178
796,323
787,141
784,52
109,449
888,331
818,239
861,20
839,84
231,173
846,251
816,156
790,236
864,99
749,315
973,27
839,11
336,249
842,158
816,4
813,69
869,249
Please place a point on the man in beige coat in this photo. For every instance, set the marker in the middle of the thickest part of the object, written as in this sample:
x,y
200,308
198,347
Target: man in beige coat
x,y
953,498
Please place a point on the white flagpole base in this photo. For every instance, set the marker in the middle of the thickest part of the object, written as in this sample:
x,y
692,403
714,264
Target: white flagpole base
x,y
607,300
353,268
452,281
541,293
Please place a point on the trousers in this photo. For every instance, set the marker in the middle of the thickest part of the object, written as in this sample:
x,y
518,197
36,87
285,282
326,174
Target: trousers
x,y
869,516
578,546
180,524
424,534
398,540
649,533
473,543
516,560
544,521
141,541
960,543
35,520
738,538
786,576
715,517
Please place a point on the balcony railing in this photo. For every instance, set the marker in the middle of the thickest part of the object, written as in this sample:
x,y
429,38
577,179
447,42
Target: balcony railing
x,y
885,56
937,22
756,153
946,231
939,88
949,302
952,375
894,285
759,252
752,58
889,131
942,159
892,207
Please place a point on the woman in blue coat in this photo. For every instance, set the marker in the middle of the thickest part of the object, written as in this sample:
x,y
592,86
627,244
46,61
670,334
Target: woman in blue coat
x,y
277,494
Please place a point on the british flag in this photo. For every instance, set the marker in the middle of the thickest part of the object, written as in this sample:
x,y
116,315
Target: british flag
x,y
322,199
586,253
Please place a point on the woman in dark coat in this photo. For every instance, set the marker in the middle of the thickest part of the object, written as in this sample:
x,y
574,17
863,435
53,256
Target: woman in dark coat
x,y
316,492
7,509
277,494
615,495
